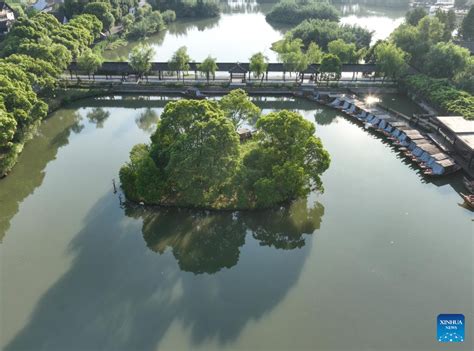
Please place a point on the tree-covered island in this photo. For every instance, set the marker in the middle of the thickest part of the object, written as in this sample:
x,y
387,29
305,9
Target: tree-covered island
x,y
196,159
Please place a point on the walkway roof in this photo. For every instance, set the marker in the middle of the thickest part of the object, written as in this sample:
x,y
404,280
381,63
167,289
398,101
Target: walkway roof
x,y
461,127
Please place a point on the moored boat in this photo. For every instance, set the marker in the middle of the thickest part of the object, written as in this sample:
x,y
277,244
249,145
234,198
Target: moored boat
x,y
469,184
194,93
468,199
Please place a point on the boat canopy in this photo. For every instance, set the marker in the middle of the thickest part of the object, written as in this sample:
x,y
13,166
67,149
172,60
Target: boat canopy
x,y
435,158
443,166
428,150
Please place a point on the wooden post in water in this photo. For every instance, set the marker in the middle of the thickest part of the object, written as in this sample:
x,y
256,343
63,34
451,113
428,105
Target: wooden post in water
x,y
113,184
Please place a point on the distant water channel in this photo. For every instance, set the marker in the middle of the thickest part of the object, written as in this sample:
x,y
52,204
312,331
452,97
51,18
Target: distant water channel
x,y
368,265
242,31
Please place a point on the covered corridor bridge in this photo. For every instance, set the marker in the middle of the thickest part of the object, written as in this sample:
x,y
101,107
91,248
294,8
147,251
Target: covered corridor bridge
x,y
235,70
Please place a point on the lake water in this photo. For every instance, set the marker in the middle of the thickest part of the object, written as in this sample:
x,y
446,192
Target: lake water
x,y
367,265
242,31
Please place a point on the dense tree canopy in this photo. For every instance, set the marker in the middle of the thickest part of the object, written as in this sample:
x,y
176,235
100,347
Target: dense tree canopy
x,y
467,26
180,61
331,67
413,16
147,22
426,42
195,158
258,64
322,32
391,60
292,55
89,62
140,59
347,53
444,60
296,11
418,40
465,79
188,8
35,52
208,67
238,108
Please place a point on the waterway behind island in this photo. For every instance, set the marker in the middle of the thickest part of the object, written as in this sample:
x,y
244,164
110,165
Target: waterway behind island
x,y
242,30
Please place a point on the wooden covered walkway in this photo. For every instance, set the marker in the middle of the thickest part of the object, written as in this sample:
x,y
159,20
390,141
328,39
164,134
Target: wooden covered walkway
x,y
231,71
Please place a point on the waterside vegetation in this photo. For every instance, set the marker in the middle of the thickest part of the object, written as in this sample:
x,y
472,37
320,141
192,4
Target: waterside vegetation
x,y
195,158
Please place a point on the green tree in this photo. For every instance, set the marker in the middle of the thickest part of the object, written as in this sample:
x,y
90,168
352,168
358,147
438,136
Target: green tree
x,y
322,32
466,31
444,60
413,16
431,30
197,147
140,59
289,160
7,128
89,62
180,61
258,65
347,53
331,67
195,158
208,67
448,18
44,73
295,11
314,54
465,79
369,55
391,60
102,10
238,107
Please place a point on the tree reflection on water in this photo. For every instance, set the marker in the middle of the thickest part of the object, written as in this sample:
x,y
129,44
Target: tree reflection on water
x,y
206,242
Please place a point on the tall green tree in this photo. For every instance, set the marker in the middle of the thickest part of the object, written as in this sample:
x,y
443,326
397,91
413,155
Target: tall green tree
x,y
347,53
208,67
466,31
197,147
444,60
465,79
330,67
314,54
391,60
238,107
140,59
180,61
102,10
448,18
289,160
413,16
258,65
7,128
89,62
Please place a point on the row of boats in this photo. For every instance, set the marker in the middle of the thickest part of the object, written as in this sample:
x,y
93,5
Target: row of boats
x,y
429,157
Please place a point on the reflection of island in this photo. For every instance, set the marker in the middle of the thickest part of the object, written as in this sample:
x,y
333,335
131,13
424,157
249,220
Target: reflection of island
x,y
204,242
118,295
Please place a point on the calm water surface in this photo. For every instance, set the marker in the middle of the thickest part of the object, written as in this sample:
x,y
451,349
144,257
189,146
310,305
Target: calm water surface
x,y
368,265
242,31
